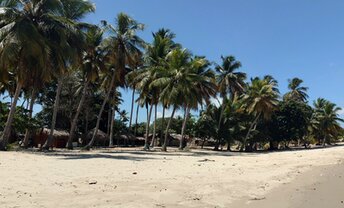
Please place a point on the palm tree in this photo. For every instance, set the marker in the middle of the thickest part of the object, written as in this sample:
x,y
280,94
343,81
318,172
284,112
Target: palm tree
x,y
261,100
327,118
120,45
229,81
93,62
115,101
136,66
24,47
66,46
199,87
148,96
297,92
155,58
171,81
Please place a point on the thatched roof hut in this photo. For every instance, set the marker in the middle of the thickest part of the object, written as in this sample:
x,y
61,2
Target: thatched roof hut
x,y
129,139
174,139
101,137
41,135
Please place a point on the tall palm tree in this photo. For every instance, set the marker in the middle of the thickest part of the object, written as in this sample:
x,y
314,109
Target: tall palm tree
x,y
135,68
229,81
24,45
115,101
36,84
199,87
120,45
297,92
66,46
93,62
261,100
148,96
172,80
156,57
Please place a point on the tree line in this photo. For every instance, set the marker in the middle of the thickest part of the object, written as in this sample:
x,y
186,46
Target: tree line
x,y
74,70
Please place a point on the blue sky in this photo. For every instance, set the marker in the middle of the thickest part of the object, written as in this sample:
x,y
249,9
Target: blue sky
x,y
294,38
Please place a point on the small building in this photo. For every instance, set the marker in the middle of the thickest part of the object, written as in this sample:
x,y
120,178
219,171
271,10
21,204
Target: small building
x,y
101,139
41,136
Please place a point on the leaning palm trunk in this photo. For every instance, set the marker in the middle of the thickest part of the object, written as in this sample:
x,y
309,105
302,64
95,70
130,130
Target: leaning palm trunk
x,y
76,116
154,126
219,125
27,131
108,121
7,130
324,141
181,144
112,124
146,147
162,124
50,139
136,119
164,146
132,108
90,144
253,124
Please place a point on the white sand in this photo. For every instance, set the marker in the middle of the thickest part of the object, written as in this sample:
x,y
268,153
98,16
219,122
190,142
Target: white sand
x,y
170,179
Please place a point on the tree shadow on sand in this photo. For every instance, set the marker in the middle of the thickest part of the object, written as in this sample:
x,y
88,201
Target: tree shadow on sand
x,y
84,156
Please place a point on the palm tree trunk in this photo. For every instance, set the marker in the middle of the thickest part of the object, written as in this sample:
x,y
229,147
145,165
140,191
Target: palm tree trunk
x,y
217,144
27,131
132,108
228,146
136,119
87,113
111,128
203,142
90,144
324,141
7,130
164,146
108,122
154,126
186,116
76,116
249,131
146,147
23,103
162,124
50,139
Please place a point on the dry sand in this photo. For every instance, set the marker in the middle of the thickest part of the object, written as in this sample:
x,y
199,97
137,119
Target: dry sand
x,y
132,178
317,188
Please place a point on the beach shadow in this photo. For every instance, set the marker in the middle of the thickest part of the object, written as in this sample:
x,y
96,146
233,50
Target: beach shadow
x,y
171,153
85,156
157,154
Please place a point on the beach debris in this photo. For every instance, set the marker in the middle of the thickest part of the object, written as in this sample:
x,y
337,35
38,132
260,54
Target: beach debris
x,y
92,182
206,160
134,173
258,198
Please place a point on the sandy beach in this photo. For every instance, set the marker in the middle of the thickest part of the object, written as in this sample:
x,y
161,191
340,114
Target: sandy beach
x,y
133,178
